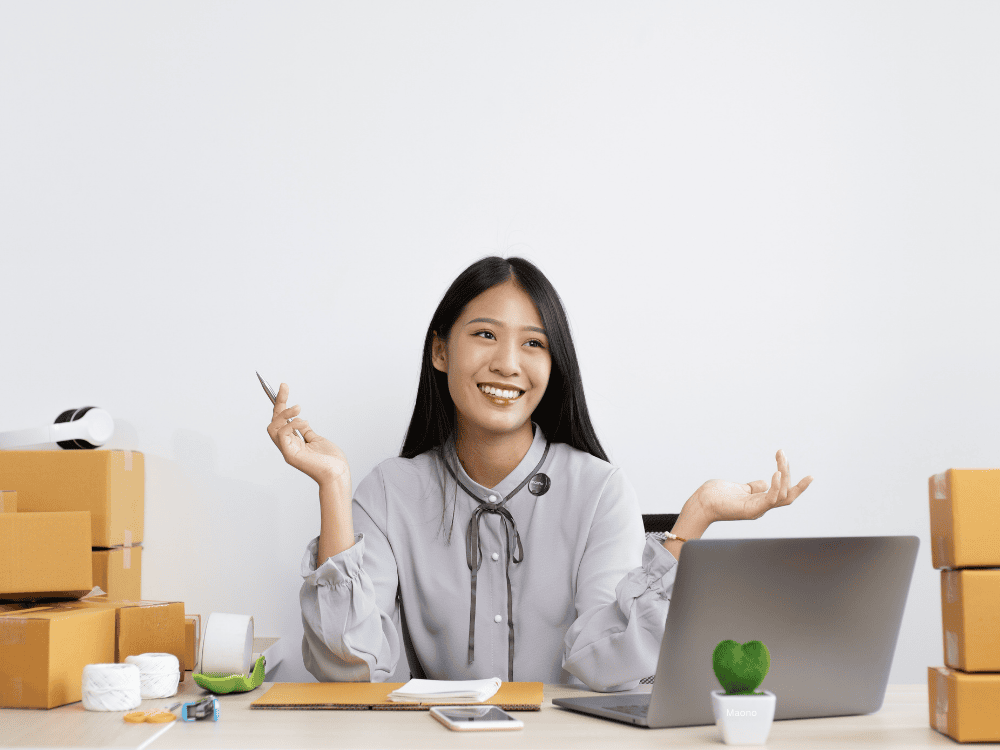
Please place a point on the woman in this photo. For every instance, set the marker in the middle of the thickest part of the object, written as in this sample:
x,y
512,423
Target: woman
x,y
501,542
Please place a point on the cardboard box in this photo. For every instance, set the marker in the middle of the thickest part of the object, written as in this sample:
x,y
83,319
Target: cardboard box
x,y
964,706
8,501
118,571
43,651
108,483
970,614
143,627
45,555
192,633
965,518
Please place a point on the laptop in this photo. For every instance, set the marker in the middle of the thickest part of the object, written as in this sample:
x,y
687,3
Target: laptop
x,y
828,609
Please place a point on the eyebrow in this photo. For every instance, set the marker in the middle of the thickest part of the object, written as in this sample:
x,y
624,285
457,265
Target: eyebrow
x,y
498,323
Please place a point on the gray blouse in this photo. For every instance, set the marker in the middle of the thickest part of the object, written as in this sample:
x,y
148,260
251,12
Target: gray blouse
x,y
589,597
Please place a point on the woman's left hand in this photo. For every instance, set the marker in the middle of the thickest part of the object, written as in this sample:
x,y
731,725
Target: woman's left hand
x,y
729,501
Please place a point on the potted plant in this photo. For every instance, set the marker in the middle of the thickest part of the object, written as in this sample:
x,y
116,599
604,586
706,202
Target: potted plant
x,y
744,716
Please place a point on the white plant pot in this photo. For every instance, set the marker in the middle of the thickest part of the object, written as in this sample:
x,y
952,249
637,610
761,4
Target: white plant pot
x,y
744,719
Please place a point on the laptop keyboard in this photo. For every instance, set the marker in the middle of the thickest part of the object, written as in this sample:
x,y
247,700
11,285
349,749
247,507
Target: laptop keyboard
x,y
632,710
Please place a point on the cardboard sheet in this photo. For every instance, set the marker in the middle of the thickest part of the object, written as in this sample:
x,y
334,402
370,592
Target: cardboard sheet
x,y
355,696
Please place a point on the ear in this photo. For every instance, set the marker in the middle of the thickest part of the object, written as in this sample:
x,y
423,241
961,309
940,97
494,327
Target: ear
x,y
439,353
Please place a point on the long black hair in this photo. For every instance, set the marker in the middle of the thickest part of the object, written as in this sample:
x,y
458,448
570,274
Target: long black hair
x,y
561,414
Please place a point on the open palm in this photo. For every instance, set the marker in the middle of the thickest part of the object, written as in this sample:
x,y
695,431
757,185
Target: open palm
x,y
730,501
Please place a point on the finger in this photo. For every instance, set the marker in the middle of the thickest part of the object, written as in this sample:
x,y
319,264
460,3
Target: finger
x,y
289,427
774,493
767,492
786,475
281,399
759,485
281,418
290,412
764,501
798,489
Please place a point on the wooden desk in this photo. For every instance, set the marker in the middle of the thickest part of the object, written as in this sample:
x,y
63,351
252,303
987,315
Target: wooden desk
x,y
901,723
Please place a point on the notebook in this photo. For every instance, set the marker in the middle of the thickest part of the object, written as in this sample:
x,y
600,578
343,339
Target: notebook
x,y
828,609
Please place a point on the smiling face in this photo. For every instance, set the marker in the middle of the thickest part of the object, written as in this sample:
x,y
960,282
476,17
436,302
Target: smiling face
x,y
498,340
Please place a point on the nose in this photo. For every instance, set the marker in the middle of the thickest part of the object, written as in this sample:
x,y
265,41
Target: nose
x,y
505,358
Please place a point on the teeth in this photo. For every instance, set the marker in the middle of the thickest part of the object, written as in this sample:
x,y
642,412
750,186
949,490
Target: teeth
x,y
499,393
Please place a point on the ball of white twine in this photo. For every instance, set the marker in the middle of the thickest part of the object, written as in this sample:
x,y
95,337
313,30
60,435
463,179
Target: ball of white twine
x,y
159,674
111,687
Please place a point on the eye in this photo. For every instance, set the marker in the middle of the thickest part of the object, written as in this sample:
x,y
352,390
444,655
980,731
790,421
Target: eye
x,y
536,341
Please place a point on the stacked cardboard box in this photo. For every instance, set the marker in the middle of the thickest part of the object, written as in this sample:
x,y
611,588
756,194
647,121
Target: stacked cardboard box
x,y
965,545
70,520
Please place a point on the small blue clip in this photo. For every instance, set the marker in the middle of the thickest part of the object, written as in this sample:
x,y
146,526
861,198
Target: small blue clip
x,y
201,709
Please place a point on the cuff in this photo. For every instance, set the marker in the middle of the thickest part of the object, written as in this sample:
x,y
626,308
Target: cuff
x,y
656,573
334,570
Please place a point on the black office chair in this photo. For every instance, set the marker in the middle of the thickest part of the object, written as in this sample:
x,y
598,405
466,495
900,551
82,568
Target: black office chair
x,y
655,524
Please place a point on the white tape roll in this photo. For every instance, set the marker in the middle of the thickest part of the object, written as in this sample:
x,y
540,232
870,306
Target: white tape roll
x,y
159,674
227,645
111,687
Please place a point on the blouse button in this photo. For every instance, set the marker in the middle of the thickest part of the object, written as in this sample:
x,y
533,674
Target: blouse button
x,y
497,618
496,556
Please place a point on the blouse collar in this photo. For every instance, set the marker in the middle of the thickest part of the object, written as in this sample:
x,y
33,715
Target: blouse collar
x,y
512,480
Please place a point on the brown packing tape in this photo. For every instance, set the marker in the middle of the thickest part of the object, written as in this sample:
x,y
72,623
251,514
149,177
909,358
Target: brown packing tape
x,y
12,631
951,586
951,647
939,486
14,624
939,547
128,460
8,501
941,712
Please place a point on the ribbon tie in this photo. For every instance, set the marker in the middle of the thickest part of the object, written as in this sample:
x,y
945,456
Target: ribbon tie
x,y
474,555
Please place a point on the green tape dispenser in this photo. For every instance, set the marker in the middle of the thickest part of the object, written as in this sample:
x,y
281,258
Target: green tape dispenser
x,y
234,683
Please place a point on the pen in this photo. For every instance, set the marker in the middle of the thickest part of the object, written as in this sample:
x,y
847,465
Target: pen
x,y
272,395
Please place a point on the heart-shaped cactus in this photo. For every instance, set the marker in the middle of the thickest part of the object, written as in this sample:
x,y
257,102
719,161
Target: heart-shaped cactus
x,y
740,669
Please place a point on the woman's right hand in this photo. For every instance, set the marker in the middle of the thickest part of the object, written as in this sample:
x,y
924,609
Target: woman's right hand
x,y
312,454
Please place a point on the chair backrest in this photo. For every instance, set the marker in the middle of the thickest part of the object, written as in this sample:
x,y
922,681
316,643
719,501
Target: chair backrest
x,y
655,524
659,522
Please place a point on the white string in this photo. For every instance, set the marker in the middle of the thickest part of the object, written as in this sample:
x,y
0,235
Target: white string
x,y
110,687
148,742
159,674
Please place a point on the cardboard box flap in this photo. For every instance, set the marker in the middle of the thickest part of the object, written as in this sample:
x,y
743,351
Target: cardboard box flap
x,y
512,696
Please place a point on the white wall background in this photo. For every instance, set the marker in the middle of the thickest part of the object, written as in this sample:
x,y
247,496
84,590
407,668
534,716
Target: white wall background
x,y
772,225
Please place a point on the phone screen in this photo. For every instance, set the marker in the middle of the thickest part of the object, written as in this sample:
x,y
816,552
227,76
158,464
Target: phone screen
x,y
476,713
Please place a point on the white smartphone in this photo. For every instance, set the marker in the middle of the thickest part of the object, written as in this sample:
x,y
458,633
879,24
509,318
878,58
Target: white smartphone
x,y
475,718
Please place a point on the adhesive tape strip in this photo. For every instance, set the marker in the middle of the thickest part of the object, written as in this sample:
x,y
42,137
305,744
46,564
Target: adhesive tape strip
x,y
227,644
127,548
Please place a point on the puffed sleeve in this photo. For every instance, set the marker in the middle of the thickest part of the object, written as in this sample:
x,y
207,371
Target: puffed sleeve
x,y
621,606
349,615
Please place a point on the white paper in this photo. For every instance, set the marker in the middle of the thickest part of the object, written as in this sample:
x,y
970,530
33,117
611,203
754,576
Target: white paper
x,y
459,691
